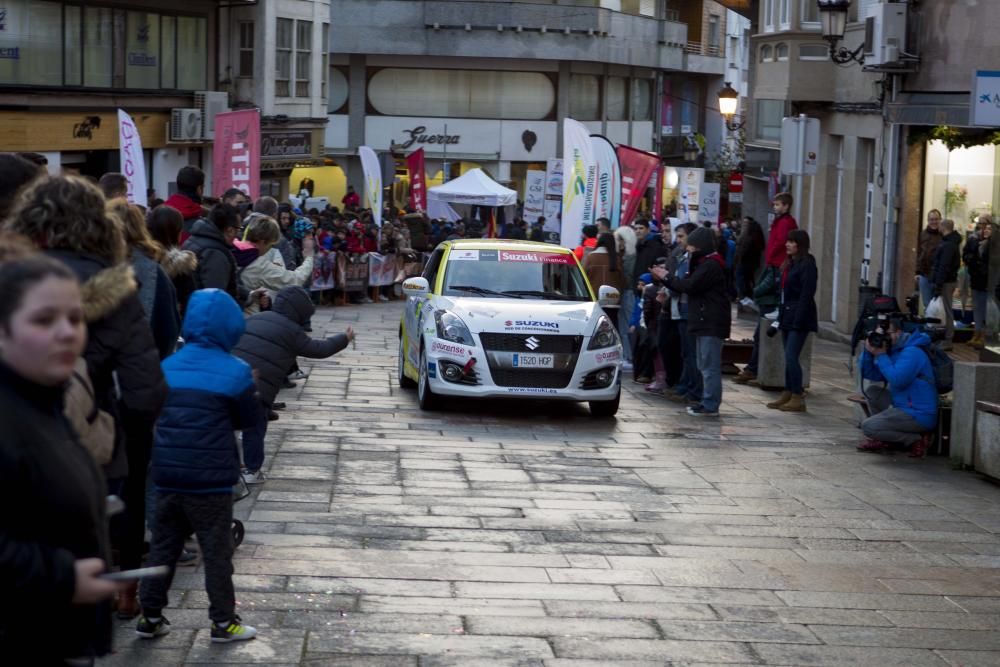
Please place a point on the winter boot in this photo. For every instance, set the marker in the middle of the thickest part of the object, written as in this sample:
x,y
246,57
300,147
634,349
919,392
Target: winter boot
x,y
796,403
920,447
744,377
781,400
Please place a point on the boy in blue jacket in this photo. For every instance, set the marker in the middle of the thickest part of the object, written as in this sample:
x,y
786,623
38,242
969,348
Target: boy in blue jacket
x,y
905,411
196,462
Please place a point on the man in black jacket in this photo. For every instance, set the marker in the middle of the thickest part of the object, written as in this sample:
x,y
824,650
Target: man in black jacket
x,y
211,241
272,340
648,246
709,314
944,275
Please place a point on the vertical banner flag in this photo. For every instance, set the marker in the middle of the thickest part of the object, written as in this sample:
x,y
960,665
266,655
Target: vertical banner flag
x,y
608,195
132,163
553,199
236,154
418,180
636,166
658,194
690,183
708,211
373,182
534,196
579,172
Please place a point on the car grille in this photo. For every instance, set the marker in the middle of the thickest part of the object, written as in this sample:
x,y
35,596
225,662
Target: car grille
x,y
540,378
503,342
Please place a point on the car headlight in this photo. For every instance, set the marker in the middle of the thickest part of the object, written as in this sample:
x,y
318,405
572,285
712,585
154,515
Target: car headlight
x,y
604,335
451,327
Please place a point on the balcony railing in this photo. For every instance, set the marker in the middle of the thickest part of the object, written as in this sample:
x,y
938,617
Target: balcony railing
x,y
703,49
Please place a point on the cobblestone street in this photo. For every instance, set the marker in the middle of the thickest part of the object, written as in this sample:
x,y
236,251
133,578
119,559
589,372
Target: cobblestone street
x,y
532,535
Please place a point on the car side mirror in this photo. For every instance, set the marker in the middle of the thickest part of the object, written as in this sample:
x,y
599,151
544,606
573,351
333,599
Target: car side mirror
x,y
608,297
416,287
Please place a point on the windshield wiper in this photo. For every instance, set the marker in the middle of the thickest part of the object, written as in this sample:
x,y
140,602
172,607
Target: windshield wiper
x,y
555,296
483,291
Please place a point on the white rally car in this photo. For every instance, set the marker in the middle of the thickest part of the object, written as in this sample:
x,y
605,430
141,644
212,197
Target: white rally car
x,y
492,318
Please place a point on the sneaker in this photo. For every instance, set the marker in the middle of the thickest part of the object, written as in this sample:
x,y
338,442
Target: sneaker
x,y
746,302
278,405
872,445
148,629
234,631
642,379
256,477
701,411
677,398
626,366
288,384
367,300
920,447
272,416
187,559
383,297
298,375
744,377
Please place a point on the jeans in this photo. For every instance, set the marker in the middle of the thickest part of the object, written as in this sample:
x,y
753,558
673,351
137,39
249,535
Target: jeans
x,y
794,341
690,382
710,365
888,423
926,290
253,440
624,315
980,301
211,518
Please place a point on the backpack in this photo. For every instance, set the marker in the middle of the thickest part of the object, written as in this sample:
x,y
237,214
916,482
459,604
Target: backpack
x,y
943,367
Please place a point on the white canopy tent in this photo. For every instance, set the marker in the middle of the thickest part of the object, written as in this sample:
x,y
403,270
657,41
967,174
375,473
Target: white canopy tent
x,y
475,188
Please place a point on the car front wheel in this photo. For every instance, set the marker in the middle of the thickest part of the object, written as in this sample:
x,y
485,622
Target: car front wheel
x,y
605,408
428,399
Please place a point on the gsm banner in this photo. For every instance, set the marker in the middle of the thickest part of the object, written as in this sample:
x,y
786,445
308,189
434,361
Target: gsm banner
x,y
132,164
418,178
373,182
608,195
236,162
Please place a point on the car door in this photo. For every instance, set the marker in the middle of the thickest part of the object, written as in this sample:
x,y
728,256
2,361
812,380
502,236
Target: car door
x,y
416,308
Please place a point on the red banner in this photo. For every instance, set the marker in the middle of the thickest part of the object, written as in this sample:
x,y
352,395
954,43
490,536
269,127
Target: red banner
x,y
236,161
418,180
637,166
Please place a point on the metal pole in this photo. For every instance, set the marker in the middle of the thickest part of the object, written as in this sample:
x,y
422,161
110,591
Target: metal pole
x,y
444,164
800,160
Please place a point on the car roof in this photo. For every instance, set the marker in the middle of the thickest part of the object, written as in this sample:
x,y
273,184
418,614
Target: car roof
x,y
498,244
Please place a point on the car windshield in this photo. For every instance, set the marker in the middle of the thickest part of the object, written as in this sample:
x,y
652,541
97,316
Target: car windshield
x,y
518,274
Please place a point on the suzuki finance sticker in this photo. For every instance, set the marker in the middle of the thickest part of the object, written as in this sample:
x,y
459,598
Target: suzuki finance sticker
x,y
536,257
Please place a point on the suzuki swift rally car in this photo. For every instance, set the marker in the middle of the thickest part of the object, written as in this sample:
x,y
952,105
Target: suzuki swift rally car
x,y
493,318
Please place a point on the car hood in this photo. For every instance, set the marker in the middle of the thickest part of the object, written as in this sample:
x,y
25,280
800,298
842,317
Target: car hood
x,y
572,318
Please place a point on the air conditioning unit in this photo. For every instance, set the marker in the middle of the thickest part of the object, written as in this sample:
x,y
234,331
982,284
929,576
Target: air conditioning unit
x,y
885,34
210,102
185,125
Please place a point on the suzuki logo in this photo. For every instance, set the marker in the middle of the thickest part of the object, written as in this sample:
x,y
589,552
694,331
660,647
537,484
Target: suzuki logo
x,y
532,343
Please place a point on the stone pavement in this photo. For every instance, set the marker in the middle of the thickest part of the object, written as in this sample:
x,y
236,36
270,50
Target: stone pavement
x,y
531,535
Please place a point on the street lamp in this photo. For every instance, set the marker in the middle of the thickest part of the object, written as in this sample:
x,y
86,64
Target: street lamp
x,y
833,19
729,102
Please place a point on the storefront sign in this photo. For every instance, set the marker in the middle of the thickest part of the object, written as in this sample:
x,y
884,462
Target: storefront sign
x,y
534,196
286,144
419,135
133,165
986,98
236,157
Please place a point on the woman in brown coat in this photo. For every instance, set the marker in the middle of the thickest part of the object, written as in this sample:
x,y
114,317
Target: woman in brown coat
x,y
603,268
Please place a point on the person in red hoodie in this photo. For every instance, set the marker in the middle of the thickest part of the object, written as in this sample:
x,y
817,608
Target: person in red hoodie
x,y
187,199
775,253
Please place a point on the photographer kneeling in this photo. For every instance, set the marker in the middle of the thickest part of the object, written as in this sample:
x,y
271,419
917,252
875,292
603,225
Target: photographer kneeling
x,y
905,411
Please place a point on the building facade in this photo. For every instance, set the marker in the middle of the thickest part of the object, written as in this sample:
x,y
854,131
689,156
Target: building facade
x,y
488,84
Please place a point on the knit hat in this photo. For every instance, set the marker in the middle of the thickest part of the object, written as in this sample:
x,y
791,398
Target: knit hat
x,y
703,239
646,278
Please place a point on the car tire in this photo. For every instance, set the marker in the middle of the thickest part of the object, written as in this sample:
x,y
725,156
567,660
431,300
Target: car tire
x,y
425,396
603,409
404,381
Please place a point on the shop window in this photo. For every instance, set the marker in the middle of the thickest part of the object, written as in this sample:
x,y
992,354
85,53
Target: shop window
x,y
192,52
767,119
584,97
814,52
642,99
338,90
283,59
142,50
766,53
781,51
462,94
246,49
73,42
168,61
97,29
617,99
303,56
31,45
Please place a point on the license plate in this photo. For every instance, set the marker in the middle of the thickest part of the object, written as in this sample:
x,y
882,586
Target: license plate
x,y
521,360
